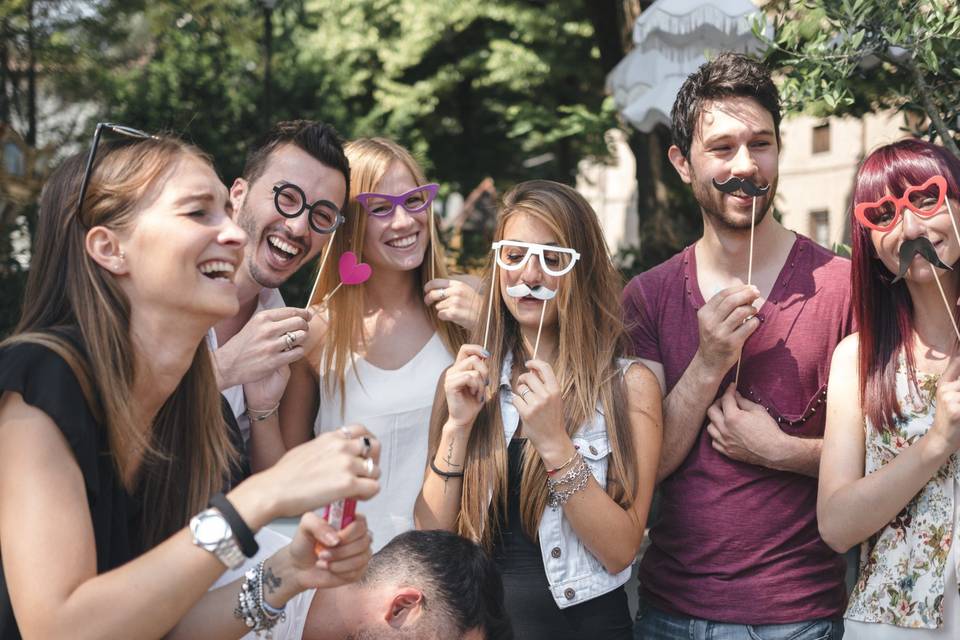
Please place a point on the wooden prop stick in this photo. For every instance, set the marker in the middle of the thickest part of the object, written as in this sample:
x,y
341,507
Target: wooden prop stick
x,y
949,307
493,283
433,246
330,295
352,272
536,345
753,223
953,221
323,261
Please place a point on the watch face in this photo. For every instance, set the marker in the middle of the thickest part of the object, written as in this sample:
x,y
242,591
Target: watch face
x,y
211,529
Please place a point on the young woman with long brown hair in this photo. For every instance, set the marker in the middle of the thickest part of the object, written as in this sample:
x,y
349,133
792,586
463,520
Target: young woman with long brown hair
x,y
554,471
112,433
377,350
889,473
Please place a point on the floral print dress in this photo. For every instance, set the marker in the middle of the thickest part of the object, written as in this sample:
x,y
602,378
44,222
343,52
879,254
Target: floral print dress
x,y
907,587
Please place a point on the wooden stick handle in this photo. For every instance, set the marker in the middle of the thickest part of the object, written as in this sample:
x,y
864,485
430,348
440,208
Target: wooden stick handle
x,y
323,261
536,345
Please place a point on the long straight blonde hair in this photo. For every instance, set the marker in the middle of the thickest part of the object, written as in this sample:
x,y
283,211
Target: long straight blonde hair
x,y
75,307
370,160
592,339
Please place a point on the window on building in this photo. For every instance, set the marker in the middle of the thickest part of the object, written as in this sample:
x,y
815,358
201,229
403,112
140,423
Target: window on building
x,y
820,227
12,159
821,138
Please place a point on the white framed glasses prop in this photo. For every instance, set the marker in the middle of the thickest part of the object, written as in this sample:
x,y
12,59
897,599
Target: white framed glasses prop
x,y
513,255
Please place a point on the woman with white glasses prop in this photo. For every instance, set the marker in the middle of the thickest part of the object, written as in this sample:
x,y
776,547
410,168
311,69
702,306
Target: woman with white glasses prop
x,y
513,256
553,471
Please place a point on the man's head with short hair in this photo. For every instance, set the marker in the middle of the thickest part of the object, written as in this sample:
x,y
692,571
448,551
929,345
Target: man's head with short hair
x,y
726,123
316,138
304,153
428,585
729,75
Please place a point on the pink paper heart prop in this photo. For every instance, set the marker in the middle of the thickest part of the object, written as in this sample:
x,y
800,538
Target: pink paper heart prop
x,y
352,271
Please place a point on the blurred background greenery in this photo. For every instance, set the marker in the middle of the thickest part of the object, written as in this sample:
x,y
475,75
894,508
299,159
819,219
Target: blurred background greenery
x,y
486,93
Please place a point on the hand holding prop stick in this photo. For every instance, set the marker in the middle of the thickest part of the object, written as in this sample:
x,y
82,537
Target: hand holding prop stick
x,y
732,185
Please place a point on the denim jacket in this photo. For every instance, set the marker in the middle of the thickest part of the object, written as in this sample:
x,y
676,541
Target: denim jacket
x,y
573,573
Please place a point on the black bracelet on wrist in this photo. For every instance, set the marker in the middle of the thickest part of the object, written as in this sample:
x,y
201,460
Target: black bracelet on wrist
x,y
445,474
247,543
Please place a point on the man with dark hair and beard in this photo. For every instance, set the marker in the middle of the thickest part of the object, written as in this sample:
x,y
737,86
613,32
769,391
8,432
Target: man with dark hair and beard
x,y
736,551
423,585
289,201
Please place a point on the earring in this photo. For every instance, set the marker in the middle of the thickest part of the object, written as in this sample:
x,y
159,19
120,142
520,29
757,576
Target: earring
x,y
120,258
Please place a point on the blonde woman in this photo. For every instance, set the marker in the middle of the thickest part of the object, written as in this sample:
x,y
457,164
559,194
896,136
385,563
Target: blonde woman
x,y
377,349
553,472
112,433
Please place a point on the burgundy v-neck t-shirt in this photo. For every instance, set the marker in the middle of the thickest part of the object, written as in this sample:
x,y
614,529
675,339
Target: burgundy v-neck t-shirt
x,y
736,542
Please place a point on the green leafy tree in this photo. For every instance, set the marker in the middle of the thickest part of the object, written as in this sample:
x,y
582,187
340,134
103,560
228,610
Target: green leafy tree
x,y
855,56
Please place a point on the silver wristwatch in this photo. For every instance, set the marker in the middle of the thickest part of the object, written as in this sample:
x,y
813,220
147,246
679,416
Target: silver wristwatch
x,y
212,532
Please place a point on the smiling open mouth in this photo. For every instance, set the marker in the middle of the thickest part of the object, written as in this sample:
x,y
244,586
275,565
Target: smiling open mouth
x,y
282,249
217,270
403,243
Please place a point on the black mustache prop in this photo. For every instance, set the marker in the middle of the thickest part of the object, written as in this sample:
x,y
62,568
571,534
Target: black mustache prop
x,y
736,184
924,247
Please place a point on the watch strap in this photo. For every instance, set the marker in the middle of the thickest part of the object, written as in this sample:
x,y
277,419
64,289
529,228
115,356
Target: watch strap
x,y
248,544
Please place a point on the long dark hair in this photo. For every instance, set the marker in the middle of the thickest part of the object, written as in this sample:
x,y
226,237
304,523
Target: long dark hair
x,y
883,309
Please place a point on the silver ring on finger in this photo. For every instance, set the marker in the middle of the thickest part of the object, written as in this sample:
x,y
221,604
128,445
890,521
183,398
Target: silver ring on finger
x,y
523,394
365,452
289,341
443,294
368,467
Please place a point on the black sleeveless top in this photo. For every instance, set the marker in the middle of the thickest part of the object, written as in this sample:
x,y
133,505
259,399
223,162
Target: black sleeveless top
x,y
533,612
46,382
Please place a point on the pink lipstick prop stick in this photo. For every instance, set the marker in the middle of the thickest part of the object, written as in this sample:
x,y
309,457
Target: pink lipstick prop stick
x,y
732,185
338,515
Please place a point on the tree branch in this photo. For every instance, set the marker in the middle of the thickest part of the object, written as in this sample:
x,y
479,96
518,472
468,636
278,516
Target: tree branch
x,y
932,111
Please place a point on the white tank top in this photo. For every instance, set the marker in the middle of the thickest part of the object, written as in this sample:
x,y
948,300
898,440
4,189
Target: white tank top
x,y
395,406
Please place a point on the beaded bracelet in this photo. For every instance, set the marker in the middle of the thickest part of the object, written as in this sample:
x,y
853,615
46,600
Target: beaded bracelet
x,y
575,480
256,612
571,475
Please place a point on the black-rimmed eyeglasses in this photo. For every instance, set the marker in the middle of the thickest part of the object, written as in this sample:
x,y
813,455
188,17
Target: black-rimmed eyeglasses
x,y
291,201
116,128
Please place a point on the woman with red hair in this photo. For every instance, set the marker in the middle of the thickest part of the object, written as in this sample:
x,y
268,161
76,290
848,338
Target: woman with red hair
x,y
889,473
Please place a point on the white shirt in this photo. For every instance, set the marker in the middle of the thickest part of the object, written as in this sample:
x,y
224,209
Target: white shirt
x,y
395,405
296,609
268,299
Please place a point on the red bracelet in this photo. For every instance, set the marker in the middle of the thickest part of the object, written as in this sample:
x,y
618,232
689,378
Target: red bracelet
x,y
552,472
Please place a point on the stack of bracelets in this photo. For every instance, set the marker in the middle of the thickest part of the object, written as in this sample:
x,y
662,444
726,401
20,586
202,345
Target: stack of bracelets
x,y
256,612
574,480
